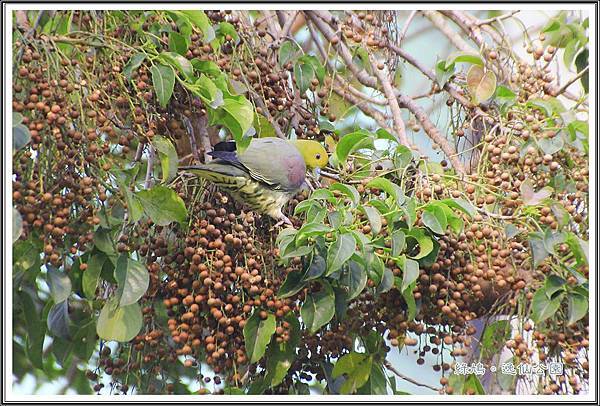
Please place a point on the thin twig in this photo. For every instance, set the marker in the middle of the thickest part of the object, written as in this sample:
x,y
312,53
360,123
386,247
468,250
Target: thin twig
x,y
406,25
399,374
433,132
191,136
564,87
285,31
497,18
442,25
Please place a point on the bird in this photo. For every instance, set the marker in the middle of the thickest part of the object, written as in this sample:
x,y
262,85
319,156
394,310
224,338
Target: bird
x,y
266,175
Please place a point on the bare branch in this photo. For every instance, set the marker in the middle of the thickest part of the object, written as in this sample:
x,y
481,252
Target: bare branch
x,y
564,87
406,25
399,127
204,137
433,132
399,374
497,18
442,25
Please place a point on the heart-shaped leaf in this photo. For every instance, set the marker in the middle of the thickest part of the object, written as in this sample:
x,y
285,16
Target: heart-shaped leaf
x,y
481,84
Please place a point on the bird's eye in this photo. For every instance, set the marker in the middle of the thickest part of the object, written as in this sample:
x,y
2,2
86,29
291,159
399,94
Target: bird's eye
x,y
318,156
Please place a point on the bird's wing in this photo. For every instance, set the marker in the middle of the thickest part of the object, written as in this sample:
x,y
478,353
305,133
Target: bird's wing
x,y
275,162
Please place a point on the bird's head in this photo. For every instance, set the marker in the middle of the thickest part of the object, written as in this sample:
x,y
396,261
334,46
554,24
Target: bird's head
x,y
314,154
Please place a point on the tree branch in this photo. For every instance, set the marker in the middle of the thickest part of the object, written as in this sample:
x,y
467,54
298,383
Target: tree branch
x,y
442,25
399,374
399,127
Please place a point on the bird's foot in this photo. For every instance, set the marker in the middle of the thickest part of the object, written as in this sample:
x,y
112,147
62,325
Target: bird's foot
x,y
283,220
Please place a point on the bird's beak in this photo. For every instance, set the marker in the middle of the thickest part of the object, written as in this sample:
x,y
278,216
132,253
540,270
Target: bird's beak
x,y
316,172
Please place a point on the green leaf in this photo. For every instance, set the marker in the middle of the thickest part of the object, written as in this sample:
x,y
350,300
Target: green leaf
x,y
36,329
162,205
208,67
390,188
424,241
410,272
407,294
339,252
553,284
551,239
348,190
318,68
17,223
481,84
549,106
538,248
578,247
551,145
311,230
119,323
60,284
352,142
208,92
239,117
289,51
374,218
493,337
435,219
134,206
178,43
132,64
224,28
505,96
383,134
375,267
581,61
357,367
467,57
132,280
178,62
163,79
303,74
542,308
571,50
398,242
58,321
293,284
354,278
263,127
168,157
472,382
443,72
530,196
318,308
91,275
317,267
257,334
461,204
578,307
21,136
377,383
387,281
84,341
201,21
